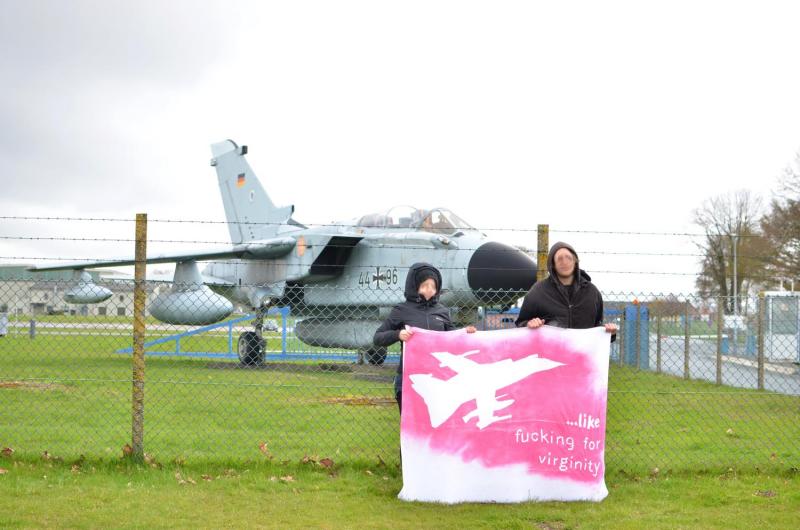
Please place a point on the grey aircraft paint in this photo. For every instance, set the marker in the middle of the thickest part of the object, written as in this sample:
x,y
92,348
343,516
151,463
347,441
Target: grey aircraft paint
x,y
359,264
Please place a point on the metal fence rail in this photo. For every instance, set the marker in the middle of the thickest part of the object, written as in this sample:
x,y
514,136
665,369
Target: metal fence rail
x,y
688,387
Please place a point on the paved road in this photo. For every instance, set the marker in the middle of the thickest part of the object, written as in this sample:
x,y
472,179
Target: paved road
x,y
741,372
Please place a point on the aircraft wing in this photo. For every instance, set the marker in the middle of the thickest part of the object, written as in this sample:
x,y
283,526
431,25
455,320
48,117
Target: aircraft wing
x,y
263,249
164,277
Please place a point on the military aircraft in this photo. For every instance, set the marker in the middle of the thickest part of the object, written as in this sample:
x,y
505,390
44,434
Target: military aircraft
x,y
340,280
474,381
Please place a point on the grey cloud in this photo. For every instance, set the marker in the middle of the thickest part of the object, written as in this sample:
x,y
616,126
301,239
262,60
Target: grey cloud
x,y
84,40
71,69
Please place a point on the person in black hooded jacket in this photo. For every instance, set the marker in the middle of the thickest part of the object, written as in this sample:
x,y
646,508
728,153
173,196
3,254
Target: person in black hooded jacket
x,y
421,310
566,299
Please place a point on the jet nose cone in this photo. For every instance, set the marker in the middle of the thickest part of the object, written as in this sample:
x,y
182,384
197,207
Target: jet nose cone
x,y
498,267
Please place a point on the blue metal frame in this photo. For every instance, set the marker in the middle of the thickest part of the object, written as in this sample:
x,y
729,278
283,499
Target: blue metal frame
x,y
392,358
284,312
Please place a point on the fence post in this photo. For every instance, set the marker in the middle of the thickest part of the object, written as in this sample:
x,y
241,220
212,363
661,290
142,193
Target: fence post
x,y
761,312
230,337
542,249
658,343
621,339
637,336
284,319
686,374
139,295
719,340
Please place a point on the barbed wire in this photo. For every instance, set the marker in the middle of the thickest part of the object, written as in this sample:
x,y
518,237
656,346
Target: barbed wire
x,y
43,218
530,253
339,224
511,249
582,252
371,267
115,240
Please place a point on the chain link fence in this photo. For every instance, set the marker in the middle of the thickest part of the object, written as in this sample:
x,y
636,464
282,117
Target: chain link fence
x,y
689,387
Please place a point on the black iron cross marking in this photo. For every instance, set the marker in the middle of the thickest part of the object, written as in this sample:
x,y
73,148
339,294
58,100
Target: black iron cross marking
x,y
378,277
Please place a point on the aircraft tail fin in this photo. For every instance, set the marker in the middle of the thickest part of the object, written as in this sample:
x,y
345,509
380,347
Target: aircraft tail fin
x,y
250,212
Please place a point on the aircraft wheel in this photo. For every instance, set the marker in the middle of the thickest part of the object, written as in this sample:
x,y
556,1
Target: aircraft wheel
x,y
375,356
250,349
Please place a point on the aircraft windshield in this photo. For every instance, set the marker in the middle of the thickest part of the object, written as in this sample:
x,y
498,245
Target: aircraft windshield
x,y
397,217
438,220
443,221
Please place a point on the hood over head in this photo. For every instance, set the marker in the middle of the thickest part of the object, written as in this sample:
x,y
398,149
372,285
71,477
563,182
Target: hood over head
x,y
578,274
418,273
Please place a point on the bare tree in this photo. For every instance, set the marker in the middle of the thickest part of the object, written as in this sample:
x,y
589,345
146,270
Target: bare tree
x,y
781,225
667,306
789,185
730,222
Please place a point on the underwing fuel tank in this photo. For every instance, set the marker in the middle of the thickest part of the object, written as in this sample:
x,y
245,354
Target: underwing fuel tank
x,y
86,291
189,302
195,307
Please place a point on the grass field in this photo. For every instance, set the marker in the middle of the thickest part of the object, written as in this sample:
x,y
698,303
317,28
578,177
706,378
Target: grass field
x,y
118,494
70,395
679,453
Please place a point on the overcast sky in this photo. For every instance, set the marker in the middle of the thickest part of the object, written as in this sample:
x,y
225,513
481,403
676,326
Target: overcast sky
x,y
588,116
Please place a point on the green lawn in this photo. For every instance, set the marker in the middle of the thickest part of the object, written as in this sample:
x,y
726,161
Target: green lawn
x,y
680,454
117,494
70,395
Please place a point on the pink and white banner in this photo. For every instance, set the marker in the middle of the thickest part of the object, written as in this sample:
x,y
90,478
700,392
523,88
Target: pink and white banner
x,y
504,416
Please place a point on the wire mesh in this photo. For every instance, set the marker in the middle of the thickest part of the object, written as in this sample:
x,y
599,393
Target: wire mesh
x,y
689,387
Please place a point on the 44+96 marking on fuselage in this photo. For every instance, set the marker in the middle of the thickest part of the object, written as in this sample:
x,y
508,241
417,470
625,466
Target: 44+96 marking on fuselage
x,y
378,279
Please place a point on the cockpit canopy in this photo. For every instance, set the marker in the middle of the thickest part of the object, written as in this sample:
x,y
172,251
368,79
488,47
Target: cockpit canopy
x,y
437,220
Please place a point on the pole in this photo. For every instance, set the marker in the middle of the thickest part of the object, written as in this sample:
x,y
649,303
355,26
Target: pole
x,y
621,338
638,337
686,343
719,340
542,244
735,239
761,312
658,343
139,296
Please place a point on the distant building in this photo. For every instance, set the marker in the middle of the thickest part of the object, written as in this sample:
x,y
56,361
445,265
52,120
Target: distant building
x,y
40,293
782,325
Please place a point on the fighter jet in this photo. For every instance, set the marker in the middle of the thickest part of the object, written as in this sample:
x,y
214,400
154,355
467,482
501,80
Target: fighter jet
x,y
474,381
339,280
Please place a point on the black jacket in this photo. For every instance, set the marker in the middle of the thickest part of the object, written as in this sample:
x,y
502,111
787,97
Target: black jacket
x,y
415,311
578,306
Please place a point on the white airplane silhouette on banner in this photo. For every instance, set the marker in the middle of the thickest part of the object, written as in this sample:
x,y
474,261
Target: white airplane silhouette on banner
x,y
474,381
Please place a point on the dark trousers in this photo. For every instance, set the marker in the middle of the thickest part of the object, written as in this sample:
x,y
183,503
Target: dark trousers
x,y
398,391
399,397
